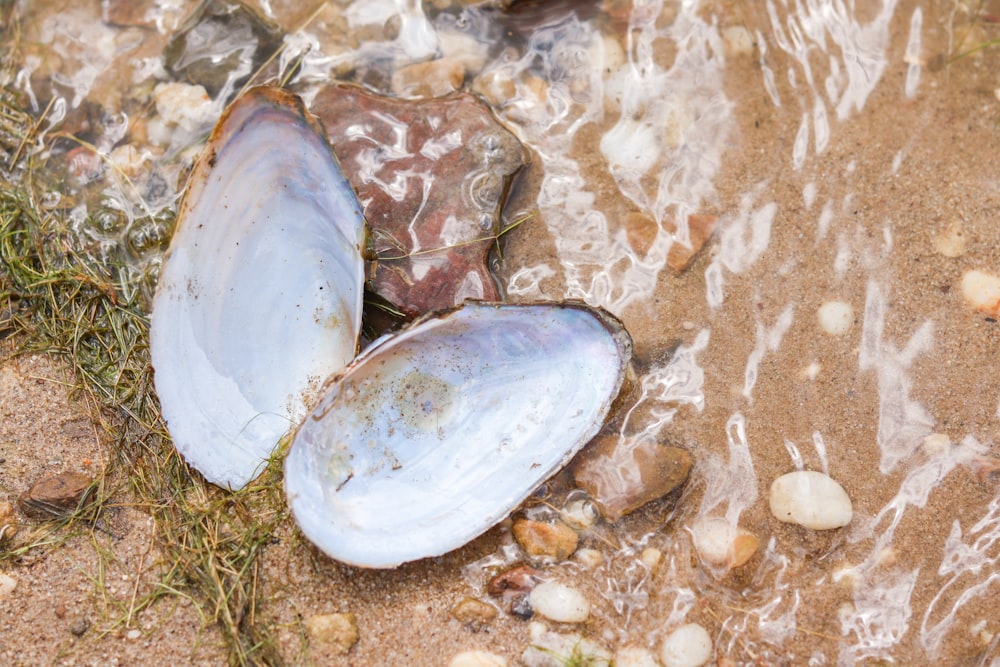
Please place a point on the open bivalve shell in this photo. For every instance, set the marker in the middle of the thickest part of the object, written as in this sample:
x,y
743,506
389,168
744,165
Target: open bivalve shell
x,y
259,297
436,433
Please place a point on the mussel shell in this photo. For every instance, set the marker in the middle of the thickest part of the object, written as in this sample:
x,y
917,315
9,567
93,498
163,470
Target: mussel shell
x,y
259,298
436,433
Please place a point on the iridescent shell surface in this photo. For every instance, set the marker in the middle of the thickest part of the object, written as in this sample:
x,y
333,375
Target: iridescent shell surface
x,y
436,433
259,298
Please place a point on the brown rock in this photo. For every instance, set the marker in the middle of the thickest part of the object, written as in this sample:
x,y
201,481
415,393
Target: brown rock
x,y
520,579
336,632
432,195
433,78
540,539
474,613
641,231
8,522
622,474
55,496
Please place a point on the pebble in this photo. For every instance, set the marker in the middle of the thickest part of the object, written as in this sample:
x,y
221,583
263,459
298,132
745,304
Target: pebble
x,y
184,105
687,646
55,495
134,633
80,626
554,649
622,474
433,78
810,499
721,544
651,557
7,584
546,540
478,659
982,292
950,243
474,613
589,558
337,631
559,602
8,522
835,317
635,656
520,579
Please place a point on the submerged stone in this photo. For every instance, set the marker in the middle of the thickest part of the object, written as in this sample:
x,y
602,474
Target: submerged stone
x,y
219,45
432,176
622,474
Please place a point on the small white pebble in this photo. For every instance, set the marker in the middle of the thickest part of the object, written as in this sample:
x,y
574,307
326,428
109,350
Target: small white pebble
x,y
185,105
478,659
7,584
810,499
651,557
589,558
811,372
982,292
687,325
687,646
635,656
936,444
836,317
559,602
134,633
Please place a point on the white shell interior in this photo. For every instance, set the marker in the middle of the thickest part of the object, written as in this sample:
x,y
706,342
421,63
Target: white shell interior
x,y
435,434
260,293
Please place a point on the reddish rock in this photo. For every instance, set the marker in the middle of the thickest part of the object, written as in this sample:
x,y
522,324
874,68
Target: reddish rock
x,y
55,496
432,176
622,474
520,579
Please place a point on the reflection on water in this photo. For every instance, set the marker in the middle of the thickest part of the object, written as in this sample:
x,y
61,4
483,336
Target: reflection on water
x,y
808,128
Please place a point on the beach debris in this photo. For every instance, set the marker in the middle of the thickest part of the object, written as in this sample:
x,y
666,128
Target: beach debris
x,y
579,514
559,602
982,291
687,646
335,632
433,176
540,539
810,499
478,659
219,45
835,317
721,544
621,474
436,433
259,298
474,613
56,495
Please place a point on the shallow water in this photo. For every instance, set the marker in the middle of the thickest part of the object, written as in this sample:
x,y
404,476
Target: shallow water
x,y
839,150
